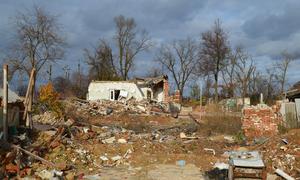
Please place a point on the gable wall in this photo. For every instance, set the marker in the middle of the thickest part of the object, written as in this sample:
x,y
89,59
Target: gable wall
x,y
101,90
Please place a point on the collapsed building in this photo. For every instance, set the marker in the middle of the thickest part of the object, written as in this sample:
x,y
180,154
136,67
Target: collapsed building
x,y
154,89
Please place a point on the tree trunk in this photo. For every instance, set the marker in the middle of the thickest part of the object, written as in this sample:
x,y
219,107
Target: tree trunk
x,y
216,87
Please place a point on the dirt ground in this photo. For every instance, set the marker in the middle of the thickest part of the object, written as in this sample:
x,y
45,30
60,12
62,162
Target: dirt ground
x,y
155,145
139,146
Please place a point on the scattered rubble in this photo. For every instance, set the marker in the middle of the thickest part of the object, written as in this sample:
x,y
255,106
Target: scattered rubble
x,y
278,154
86,143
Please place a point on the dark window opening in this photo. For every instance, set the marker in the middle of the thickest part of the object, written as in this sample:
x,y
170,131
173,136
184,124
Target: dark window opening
x,y
148,95
117,94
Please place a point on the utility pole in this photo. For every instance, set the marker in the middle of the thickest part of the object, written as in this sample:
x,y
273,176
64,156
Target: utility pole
x,y
79,73
200,96
5,103
66,69
50,72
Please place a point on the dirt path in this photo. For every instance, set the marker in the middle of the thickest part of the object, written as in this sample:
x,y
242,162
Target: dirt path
x,y
155,172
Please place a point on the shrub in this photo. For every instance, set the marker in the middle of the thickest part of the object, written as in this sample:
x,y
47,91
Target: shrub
x,y
49,99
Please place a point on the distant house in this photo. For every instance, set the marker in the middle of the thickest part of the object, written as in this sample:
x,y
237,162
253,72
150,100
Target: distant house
x,y
294,92
155,89
15,107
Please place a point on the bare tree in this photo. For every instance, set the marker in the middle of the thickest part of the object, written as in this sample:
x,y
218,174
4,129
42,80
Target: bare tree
x,y
282,69
195,91
101,63
38,41
130,42
229,72
271,82
245,68
214,51
180,60
154,72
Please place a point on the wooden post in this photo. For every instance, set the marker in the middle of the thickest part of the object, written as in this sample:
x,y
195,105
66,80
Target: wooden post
x,y
28,98
5,103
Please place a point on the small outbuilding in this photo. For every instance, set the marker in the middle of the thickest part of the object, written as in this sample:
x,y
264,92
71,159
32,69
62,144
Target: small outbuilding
x,y
15,107
154,89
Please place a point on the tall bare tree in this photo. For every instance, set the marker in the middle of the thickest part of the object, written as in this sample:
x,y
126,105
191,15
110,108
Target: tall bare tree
x,y
245,68
38,41
179,59
101,63
282,69
130,42
272,85
229,72
214,51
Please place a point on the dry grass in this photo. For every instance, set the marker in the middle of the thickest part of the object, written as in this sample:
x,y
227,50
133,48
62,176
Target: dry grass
x,y
224,123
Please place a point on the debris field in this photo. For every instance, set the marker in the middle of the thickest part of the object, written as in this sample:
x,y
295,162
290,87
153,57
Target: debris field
x,y
134,140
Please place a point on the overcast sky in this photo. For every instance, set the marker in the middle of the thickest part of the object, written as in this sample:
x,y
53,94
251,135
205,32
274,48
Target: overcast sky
x,y
264,28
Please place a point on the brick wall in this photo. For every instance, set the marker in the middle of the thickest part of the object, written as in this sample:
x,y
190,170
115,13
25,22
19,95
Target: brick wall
x,y
177,97
259,121
166,91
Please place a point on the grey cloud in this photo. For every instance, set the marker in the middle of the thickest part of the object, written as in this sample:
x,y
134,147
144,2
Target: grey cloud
x,y
275,26
265,28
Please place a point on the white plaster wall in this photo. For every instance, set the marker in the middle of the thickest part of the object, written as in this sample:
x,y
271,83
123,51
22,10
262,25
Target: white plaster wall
x,y
160,95
145,89
101,90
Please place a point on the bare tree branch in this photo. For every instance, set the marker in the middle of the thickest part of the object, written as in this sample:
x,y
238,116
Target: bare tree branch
x,y
180,60
38,41
130,42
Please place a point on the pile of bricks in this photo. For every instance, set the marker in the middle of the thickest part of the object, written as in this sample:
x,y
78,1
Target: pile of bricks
x,y
259,121
177,97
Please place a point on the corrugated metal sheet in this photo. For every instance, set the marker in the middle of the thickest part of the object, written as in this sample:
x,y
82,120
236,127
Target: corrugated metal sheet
x,y
12,96
288,111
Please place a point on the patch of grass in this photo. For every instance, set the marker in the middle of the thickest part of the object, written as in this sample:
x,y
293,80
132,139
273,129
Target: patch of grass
x,y
220,122
240,137
282,129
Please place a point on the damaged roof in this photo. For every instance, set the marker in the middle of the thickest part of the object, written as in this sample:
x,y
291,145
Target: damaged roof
x,y
294,92
12,96
152,81
147,81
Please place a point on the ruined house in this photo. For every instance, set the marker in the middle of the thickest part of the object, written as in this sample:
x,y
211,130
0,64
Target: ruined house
x,y
154,89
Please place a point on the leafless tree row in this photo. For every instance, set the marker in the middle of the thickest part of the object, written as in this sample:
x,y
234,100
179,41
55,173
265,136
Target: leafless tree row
x,y
226,71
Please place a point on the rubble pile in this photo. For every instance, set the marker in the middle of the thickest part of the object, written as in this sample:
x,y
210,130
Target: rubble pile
x,y
47,117
259,121
282,153
77,148
68,149
106,107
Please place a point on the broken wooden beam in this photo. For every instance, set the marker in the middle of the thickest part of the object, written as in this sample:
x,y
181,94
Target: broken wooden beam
x,y
33,155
